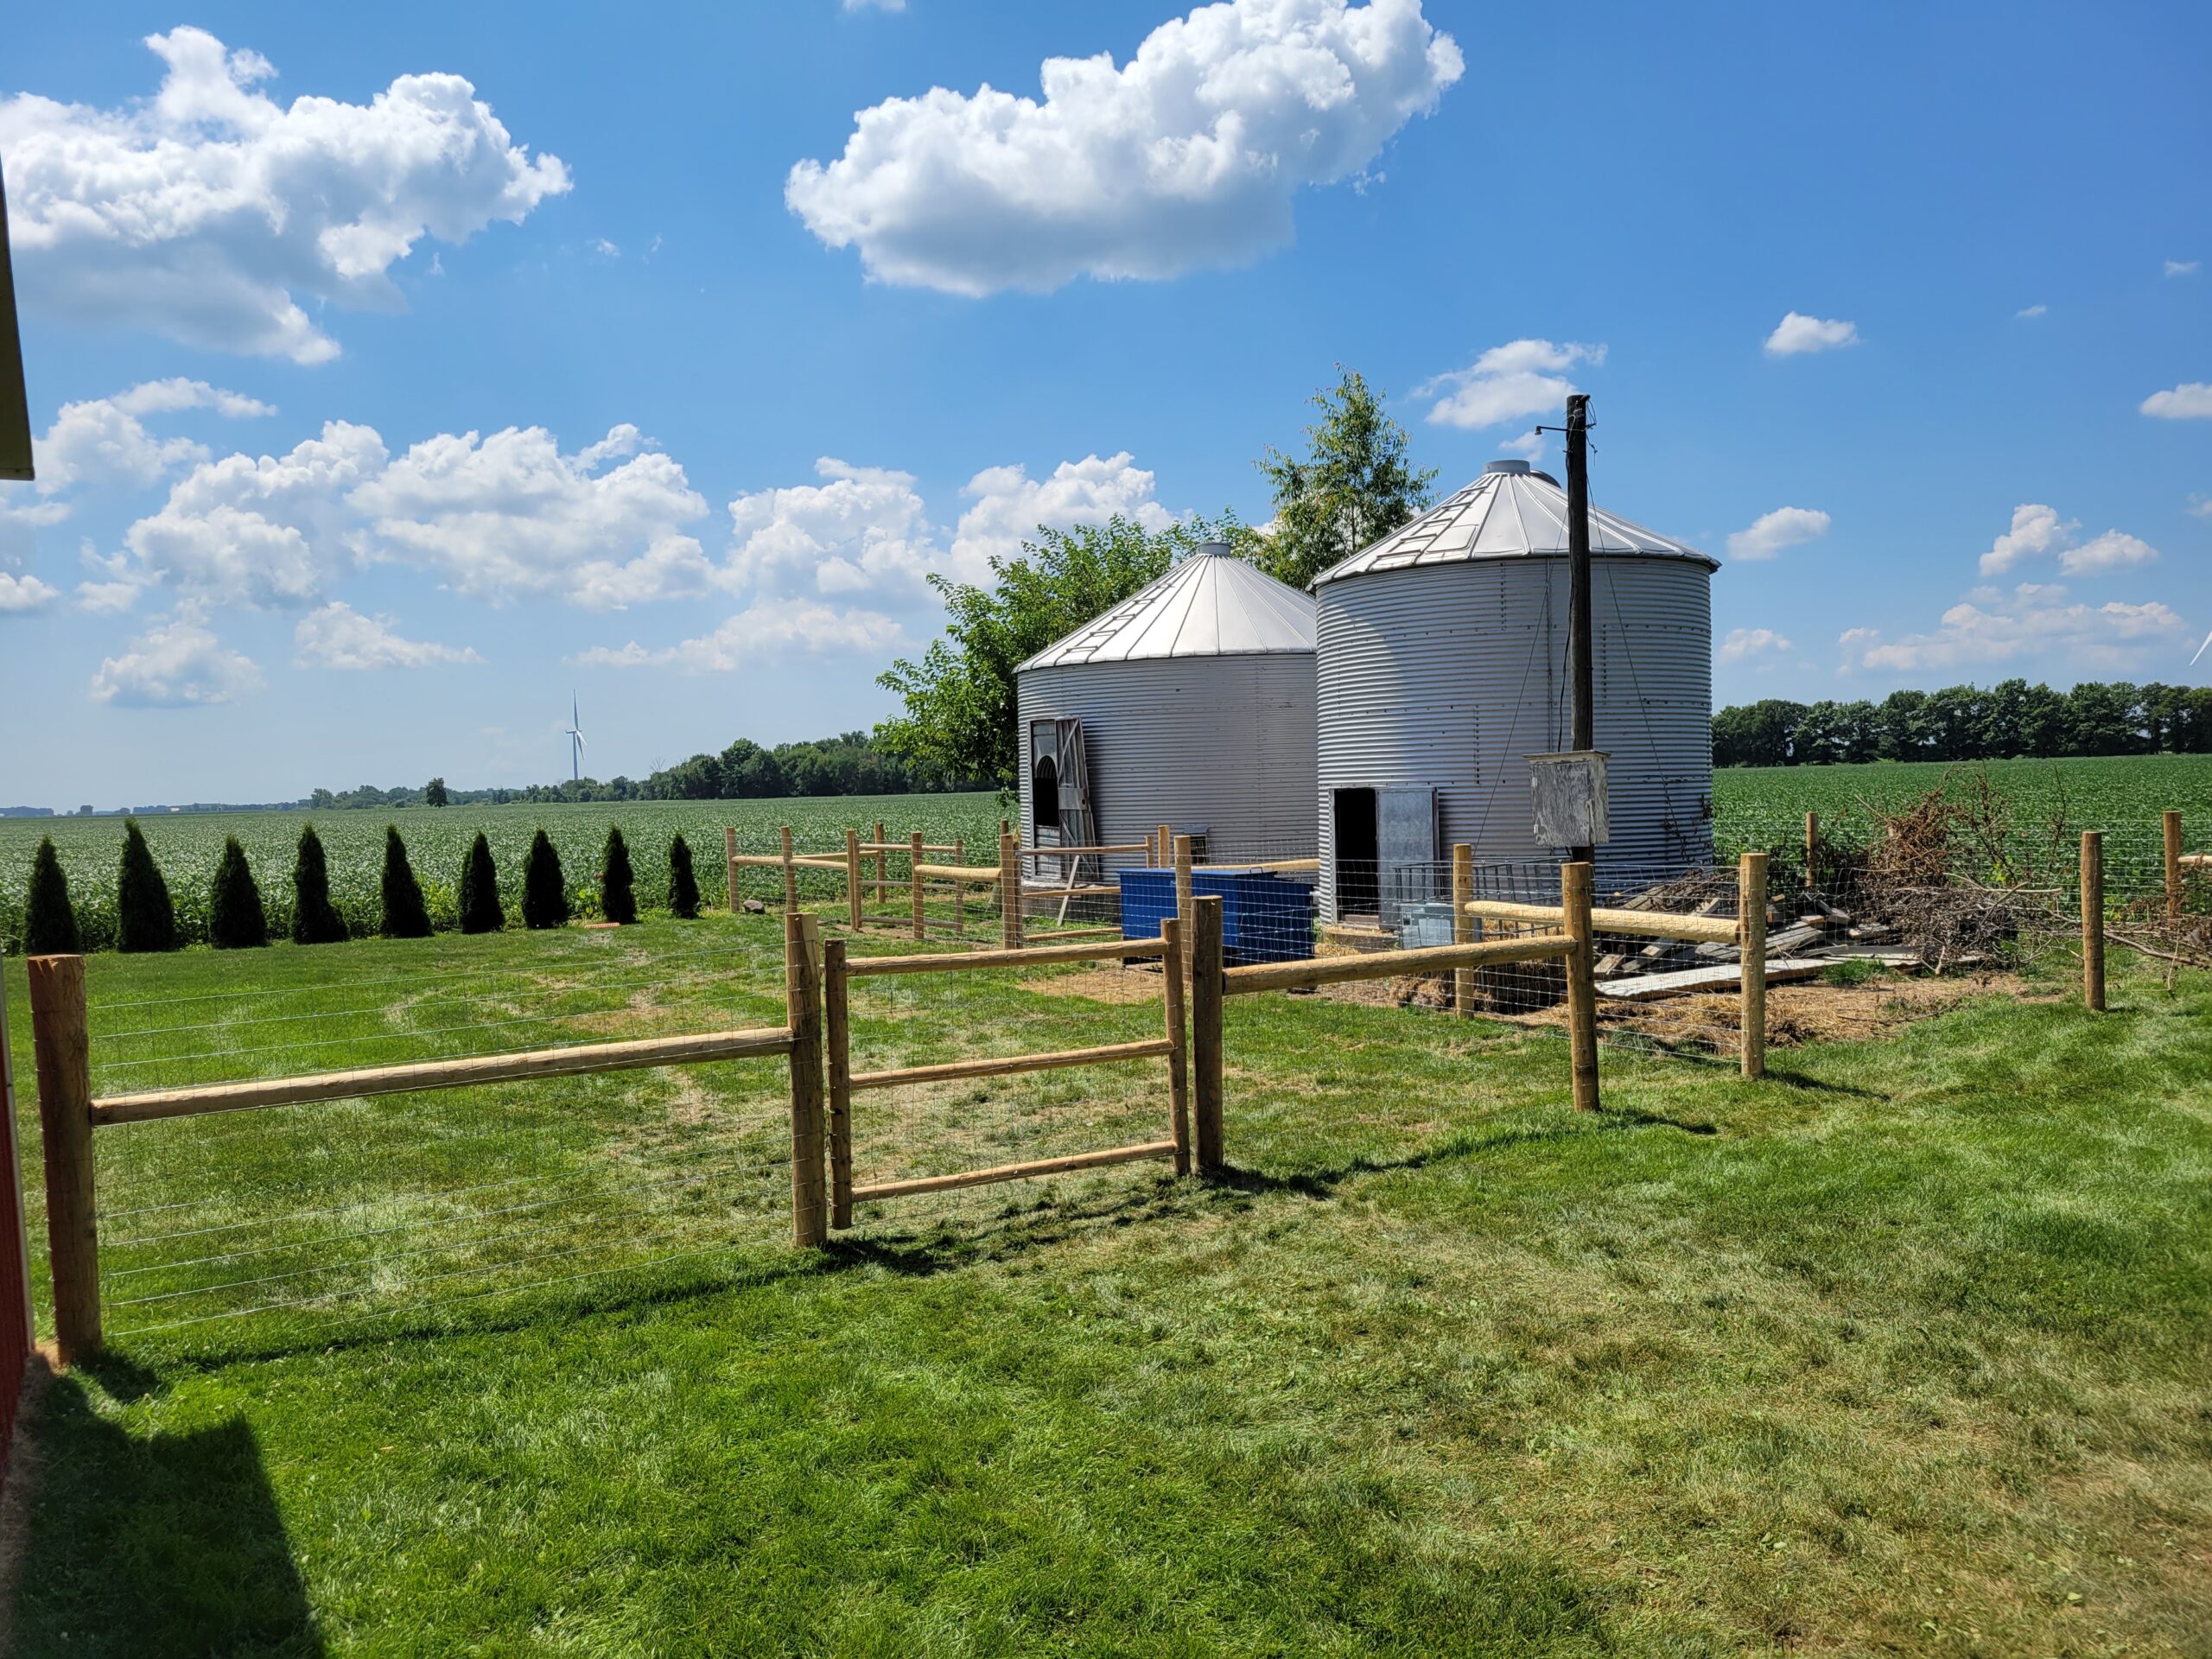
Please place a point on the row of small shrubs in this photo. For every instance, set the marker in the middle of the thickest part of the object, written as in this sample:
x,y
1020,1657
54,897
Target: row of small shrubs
x,y
236,919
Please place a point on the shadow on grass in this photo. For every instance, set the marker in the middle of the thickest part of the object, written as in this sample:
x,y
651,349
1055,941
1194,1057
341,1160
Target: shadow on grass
x,y
169,1544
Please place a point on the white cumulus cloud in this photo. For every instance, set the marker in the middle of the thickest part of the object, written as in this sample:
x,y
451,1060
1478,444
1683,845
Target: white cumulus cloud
x,y
1517,381
769,630
2035,621
175,664
1797,333
2189,401
509,516
338,636
102,441
209,212
1009,507
2181,267
1769,533
21,595
2037,529
269,530
1743,643
1188,155
861,530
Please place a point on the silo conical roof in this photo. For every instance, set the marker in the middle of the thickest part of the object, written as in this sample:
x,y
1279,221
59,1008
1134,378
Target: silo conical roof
x,y
1510,511
1212,604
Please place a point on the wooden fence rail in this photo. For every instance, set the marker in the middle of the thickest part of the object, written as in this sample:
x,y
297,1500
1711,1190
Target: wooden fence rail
x,y
69,1114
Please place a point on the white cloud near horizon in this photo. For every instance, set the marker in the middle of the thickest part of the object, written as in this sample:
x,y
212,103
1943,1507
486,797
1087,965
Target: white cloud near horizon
x,y
1519,380
207,212
1743,644
1767,535
1797,333
338,636
769,630
2189,401
1189,155
1990,627
178,664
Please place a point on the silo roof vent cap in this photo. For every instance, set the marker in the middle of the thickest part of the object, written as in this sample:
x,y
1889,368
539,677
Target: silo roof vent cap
x,y
1507,466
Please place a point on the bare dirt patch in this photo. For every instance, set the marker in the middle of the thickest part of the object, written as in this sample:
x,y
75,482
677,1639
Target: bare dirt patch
x,y
1100,985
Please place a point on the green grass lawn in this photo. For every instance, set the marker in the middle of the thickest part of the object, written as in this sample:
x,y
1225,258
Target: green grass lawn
x,y
1908,1348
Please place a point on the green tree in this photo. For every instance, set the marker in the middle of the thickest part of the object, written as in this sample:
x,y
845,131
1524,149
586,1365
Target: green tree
x,y
405,916
959,718
235,919
544,890
433,792
683,884
618,899
1353,486
49,920
145,916
1903,737
315,920
479,890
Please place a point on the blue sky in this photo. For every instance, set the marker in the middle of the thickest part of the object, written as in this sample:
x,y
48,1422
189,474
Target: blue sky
x,y
395,408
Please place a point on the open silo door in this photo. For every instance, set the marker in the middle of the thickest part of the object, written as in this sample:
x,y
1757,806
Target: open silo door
x,y
1405,849
1059,768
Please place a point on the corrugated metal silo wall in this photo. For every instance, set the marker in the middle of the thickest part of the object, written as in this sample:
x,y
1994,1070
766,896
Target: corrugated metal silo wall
x,y
1223,744
1451,675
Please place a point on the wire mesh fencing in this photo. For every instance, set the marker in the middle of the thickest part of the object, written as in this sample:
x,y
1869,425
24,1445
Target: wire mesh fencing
x,y
289,1219
972,1090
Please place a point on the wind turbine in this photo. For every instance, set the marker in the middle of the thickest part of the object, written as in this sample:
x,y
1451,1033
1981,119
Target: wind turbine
x,y
2200,650
575,736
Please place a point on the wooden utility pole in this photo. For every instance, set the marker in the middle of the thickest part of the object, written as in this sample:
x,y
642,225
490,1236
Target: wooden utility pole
x,y
1577,592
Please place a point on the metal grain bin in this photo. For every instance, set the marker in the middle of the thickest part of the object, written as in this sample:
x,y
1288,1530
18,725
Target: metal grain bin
x,y
1441,665
1196,696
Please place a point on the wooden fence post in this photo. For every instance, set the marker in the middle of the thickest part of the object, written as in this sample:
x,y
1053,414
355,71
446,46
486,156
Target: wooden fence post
x,y
1575,881
1166,853
1750,920
2093,919
914,883
730,864
1204,926
959,891
836,1032
62,1045
1178,1082
882,868
2172,825
1183,891
1812,847
853,916
802,1009
1009,891
790,875
1462,926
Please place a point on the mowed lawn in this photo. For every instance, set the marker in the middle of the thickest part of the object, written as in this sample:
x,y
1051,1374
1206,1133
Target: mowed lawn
x,y
1908,1348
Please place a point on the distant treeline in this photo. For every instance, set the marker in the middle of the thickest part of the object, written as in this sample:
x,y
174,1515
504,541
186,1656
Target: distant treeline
x,y
852,764
1966,723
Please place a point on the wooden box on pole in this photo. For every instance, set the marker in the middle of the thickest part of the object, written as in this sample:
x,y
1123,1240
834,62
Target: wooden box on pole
x,y
61,1045
2093,919
803,1009
1574,885
1750,920
1203,926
